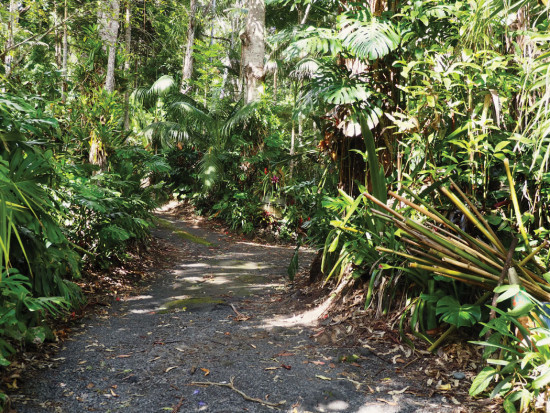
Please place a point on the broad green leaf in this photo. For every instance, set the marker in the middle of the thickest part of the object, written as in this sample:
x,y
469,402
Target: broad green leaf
x,y
482,381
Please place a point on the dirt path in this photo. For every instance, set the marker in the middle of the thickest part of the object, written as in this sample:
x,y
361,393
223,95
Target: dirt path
x,y
215,317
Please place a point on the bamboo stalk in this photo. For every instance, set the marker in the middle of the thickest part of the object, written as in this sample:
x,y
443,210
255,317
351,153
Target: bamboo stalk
x,y
383,206
466,266
416,207
456,228
478,214
533,253
454,199
446,232
402,254
515,202
460,275
449,245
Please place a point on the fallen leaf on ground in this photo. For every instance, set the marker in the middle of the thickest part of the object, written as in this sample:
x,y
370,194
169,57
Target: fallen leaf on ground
x,y
444,386
170,368
284,354
387,402
318,363
398,391
122,356
272,368
206,371
286,366
397,359
322,377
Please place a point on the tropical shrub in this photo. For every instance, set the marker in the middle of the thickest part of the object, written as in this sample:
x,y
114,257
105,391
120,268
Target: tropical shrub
x,y
517,351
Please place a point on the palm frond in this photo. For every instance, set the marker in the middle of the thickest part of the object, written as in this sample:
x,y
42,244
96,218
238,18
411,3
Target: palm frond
x,y
306,68
240,117
187,113
211,167
148,96
162,134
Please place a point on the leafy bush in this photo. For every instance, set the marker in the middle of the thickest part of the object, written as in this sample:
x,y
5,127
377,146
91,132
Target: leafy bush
x,y
105,212
36,259
517,353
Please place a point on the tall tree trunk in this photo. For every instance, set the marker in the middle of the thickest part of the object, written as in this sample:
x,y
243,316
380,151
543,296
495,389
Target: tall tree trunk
x,y
8,59
64,72
253,50
128,49
108,32
58,46
187,69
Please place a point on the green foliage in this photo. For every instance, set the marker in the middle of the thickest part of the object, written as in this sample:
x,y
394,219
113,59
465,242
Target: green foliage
x,y
521,336
454,313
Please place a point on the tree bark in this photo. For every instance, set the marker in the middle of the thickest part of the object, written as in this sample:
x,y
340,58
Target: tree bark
x,y
108,32
253,50
8,59
64,72
187,68
128,50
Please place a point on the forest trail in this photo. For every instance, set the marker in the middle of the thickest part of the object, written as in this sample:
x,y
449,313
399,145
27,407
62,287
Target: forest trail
x,y
215,316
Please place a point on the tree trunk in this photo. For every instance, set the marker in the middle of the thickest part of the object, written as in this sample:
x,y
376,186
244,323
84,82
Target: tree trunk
x,y
8,59
108,32
128,49
253,50
187,69
64,72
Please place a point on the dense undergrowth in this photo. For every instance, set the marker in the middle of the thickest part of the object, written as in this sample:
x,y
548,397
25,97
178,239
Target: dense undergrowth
x,y
60,216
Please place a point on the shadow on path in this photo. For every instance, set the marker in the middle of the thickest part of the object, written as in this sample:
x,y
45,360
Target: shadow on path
x,y
215,316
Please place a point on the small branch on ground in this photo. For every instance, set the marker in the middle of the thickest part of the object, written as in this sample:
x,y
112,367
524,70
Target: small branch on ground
x,y
240,316
231,386
177,407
